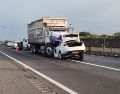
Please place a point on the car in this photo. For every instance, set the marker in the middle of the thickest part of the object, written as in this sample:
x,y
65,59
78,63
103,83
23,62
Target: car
x,y
70,49
17,44
10,44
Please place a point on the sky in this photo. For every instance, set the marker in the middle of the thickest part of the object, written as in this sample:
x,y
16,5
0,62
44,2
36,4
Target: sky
x,y
94,16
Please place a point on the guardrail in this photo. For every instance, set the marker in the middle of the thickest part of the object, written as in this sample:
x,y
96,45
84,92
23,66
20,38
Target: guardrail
x,y
103,51
103,46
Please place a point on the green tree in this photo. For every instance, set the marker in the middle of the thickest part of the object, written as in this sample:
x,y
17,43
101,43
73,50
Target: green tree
x,y
85,34
104,36
88,35
116,35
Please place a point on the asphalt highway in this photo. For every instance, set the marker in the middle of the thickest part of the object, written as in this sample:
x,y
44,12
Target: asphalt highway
x,y
83,77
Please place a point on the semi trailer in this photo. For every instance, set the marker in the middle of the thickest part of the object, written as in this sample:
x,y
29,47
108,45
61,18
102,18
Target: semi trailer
x,y
52,37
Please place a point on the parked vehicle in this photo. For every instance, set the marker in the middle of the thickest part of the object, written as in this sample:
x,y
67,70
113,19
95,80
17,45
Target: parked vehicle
x,y
10,44
15,45
18,44
47,34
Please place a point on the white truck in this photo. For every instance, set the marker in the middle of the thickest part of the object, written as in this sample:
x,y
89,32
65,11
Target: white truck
x,y
52,37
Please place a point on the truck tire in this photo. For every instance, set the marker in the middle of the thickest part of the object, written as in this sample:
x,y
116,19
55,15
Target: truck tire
x,y
33,49
48,50
81,56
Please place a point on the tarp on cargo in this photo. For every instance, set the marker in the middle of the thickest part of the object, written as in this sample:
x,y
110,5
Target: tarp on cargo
x,y
56,39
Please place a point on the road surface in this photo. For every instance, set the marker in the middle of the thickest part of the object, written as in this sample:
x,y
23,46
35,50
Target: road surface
x,y
95,75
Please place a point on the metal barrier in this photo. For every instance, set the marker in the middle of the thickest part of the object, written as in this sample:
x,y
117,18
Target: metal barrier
x,y
103,46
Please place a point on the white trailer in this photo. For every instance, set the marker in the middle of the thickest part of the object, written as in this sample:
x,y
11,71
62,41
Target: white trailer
x,y
45,34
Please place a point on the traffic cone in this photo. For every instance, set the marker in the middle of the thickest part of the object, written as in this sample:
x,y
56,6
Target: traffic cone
x,y
17,49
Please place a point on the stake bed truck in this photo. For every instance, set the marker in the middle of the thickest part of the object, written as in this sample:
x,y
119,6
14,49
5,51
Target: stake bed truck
x,y
52,37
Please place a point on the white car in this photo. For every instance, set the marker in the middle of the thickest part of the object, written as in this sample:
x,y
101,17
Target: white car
x,y
10,44
15,44
70,49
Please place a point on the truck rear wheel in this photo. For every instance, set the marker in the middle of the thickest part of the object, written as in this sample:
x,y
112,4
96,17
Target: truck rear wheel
x,y
49,50
81,56
33,49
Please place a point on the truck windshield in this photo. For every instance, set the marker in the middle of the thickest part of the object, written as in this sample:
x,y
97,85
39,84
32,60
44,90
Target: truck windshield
x,y
73,43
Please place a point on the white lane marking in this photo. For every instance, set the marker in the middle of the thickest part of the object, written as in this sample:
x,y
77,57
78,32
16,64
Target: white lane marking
x,y
101,66
42,75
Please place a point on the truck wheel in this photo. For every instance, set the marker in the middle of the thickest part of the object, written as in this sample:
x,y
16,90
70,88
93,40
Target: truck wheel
x,y
49,50
33,50
36,51
81,56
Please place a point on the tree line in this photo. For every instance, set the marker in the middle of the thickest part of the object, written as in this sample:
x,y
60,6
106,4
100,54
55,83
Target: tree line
x,y
88,35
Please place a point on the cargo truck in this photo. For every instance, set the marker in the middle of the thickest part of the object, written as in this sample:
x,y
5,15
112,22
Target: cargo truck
x,y
52,37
